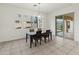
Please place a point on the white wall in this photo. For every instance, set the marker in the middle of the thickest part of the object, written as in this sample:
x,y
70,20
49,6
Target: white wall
x,y
8,29
71,27
74,8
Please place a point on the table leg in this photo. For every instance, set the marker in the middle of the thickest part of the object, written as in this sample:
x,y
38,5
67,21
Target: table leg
x,y
26,37
30,42
51,35
48,38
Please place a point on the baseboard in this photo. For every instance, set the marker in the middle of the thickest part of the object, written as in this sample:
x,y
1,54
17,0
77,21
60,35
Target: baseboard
x,y
12,40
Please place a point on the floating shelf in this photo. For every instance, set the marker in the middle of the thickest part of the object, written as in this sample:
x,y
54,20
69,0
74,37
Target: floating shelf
x,y
29,22
18,27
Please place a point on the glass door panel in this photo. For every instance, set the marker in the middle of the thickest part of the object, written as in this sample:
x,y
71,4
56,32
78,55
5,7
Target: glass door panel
x,y
59,26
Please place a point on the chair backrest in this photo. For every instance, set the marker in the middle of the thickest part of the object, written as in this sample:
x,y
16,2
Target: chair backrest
x,y
38,34
47,31
39,29
31,30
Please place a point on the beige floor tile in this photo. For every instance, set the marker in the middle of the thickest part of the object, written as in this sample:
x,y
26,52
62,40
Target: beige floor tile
x,y
59,52
4,53
74,51
58,46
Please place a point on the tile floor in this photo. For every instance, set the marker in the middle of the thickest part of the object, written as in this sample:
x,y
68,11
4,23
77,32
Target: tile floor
x,y
56,46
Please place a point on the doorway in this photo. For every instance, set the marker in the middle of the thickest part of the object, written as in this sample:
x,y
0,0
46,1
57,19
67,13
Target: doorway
x,y
64,25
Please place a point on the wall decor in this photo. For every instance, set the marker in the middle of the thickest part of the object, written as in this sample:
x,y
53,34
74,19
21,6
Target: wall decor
x,y
27,21
34,20
17,21
18,27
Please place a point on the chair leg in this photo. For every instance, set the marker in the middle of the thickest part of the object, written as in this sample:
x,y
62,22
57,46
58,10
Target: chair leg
x,y
40,41
45,39
35,43
48,38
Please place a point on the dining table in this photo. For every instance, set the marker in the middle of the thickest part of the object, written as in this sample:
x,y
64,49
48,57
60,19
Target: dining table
x,y
32,34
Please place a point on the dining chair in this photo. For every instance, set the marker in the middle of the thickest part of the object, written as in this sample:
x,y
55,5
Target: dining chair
x,y
38,36
46,35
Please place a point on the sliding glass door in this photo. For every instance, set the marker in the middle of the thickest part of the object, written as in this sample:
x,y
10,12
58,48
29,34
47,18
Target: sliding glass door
x,y
59,26
65,26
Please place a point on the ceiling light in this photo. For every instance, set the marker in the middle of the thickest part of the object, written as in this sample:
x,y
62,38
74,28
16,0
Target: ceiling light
x,y
35,5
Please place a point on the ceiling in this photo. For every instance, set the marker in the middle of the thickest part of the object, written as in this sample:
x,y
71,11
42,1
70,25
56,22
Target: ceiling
x,y
44,7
